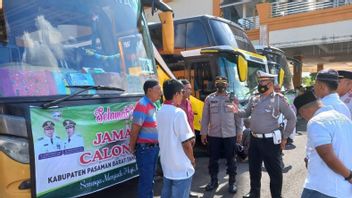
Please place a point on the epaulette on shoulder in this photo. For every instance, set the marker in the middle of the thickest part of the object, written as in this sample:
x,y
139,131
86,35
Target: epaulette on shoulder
x,y
41,138
212,94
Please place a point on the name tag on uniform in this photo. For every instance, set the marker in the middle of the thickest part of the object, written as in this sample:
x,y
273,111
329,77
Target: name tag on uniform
x,y
277,136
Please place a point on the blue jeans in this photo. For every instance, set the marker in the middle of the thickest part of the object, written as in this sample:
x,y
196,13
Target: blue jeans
x,y
308,193
146,161
176,188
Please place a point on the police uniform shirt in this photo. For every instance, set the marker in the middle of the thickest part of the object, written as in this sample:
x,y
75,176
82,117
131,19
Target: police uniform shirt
x,y
265,111
74,141
218,119
46,144
347,99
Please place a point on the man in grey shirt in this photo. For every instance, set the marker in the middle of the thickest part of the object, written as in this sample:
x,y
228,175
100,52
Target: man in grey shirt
x,y
221,128
266,141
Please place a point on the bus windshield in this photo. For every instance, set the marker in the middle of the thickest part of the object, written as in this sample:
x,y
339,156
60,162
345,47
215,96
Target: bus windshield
x,y
242,90
52,44
227,34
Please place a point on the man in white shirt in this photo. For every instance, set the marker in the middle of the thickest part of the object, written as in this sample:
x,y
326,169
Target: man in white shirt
x,y
345,88
175,138
325,88
329,152
74,140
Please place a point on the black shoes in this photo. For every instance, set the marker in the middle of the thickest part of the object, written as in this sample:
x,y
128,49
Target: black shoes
x,y
212,185
251,195
232,188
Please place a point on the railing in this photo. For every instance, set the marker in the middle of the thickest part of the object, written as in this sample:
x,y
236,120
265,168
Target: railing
x,y
283,9
249,23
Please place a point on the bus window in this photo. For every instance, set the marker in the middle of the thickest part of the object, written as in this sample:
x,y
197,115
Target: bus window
x,y
203,79
180,36
156,34
227,34
196,36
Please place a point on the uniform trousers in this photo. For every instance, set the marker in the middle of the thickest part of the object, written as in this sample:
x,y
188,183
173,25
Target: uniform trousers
x,y
264,149
217,146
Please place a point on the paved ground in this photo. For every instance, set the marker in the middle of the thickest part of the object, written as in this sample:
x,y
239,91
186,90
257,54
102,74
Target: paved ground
x,y
292,187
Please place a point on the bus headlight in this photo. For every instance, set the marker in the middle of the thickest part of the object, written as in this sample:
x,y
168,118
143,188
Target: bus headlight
x,y
15,147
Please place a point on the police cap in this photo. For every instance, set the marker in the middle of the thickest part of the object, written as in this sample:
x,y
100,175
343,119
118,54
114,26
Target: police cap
x,y
69,123
220,79
265,76
328,75
345,74
303,99
48,124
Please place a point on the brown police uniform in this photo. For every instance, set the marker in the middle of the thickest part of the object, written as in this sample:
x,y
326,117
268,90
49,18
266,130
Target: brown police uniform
x,y
264,112
221,125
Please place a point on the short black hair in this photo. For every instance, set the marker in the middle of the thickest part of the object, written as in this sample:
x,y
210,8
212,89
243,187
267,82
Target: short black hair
x,y
171,87
332,85
185,81
150,83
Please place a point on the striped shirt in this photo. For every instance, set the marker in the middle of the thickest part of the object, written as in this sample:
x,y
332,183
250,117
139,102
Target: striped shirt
x,y
144,115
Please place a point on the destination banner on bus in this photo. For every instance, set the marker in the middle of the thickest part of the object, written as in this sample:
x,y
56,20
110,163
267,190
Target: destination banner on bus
x,y
82,149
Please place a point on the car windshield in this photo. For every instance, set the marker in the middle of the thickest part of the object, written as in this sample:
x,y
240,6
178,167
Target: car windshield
x,y
227,34
52,44
242,90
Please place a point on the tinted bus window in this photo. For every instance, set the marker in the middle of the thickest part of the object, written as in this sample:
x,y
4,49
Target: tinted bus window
x,y
225,34
180,36
156,34
196,36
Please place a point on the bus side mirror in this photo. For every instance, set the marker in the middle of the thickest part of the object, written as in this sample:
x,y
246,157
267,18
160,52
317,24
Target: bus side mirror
x,y
242,68
281,76
167,23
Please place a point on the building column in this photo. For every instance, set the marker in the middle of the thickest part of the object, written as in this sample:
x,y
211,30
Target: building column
x,y
216,8
297,71
320,66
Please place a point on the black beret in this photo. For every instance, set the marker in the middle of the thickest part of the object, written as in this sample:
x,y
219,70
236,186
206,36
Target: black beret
x,y
305,98
328,75
345,74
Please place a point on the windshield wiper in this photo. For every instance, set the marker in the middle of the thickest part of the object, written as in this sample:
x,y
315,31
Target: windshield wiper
x,y
84,88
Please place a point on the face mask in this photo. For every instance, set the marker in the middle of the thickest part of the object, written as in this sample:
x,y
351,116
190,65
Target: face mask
x,y
220,87
262,88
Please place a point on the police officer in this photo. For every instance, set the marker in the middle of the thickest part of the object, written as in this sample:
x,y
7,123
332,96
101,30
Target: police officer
x,y
49,142
264,110
344,88
73,140
219,129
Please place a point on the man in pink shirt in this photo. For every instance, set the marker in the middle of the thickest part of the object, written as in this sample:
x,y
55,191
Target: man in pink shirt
x,y
186,103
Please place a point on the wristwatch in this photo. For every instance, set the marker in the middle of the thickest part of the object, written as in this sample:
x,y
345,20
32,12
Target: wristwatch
x,y
349,176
